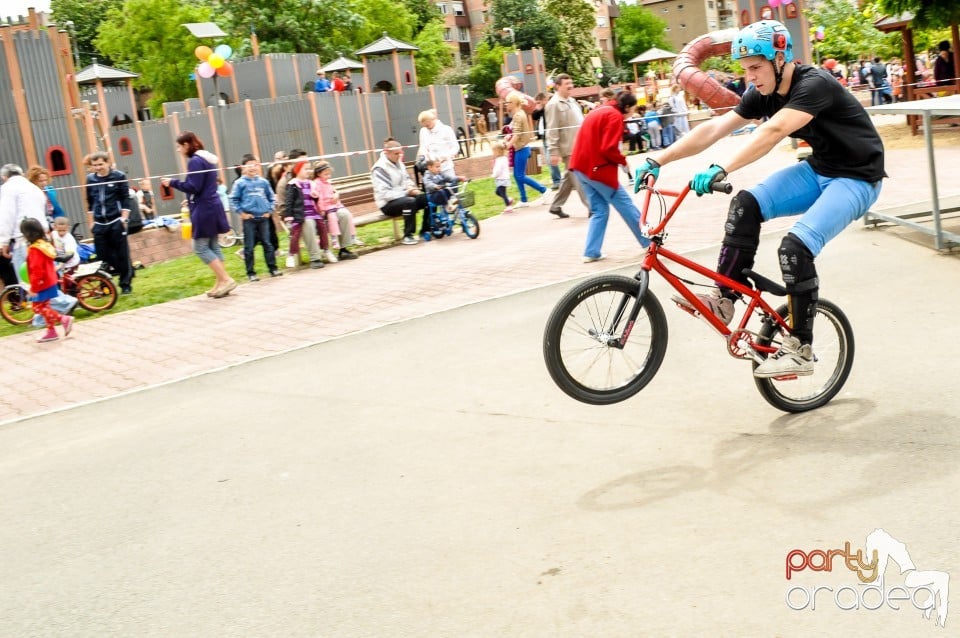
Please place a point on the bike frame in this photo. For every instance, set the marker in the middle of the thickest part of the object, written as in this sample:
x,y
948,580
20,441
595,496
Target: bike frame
x,y
657,255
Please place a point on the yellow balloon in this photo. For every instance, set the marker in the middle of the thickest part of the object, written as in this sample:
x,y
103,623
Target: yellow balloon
x,y
216,61
202,52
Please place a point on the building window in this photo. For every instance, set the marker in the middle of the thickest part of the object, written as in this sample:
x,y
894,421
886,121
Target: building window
x,y
448,34
709,4
58,162
126,148
458,9
683,26
601,21
166,192
463,34
604,45
443,8
666,10
679,7
712,25
407,77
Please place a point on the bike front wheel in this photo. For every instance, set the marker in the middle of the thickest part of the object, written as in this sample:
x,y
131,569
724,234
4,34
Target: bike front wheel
x,y
471,227
592,350
14,305
833,349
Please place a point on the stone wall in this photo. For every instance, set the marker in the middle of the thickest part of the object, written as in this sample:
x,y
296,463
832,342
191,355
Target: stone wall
x,y
158,244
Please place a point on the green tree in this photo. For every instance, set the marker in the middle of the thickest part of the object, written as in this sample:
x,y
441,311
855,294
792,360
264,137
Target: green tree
x,y
926,13
849,33
485,70
532,27
423,12
638,29
323,27
160,50
381,16
86,16
575,20
434,54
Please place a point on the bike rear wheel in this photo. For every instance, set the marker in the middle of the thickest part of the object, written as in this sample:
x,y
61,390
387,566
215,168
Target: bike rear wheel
x,y
471,227
833,348
14,306
96,292
226,240
581,340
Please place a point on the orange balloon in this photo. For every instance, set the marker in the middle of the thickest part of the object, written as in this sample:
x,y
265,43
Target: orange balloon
x,y
226,70
202,52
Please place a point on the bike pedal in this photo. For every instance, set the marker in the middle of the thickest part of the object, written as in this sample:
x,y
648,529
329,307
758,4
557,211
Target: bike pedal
x,y
786,377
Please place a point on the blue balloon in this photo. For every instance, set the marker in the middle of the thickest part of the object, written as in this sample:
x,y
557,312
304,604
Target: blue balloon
x,y
224,51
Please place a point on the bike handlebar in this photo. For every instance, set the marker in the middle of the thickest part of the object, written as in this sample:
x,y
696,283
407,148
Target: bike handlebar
x,y
722,187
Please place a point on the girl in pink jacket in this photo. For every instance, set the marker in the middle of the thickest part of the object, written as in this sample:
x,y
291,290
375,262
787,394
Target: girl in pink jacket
x,y
339,219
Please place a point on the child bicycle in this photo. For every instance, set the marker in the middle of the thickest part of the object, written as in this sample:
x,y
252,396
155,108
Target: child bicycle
x,y
444,219
606,338
88,282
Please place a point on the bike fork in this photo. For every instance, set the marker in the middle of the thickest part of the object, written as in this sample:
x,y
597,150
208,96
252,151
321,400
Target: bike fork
x,y
619,342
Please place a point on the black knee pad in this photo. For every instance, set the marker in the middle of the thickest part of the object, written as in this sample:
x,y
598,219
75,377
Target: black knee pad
x,y
796,264
742,229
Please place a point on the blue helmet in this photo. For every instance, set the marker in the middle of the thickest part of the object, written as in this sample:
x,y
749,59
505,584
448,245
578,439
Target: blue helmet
x,y
765,38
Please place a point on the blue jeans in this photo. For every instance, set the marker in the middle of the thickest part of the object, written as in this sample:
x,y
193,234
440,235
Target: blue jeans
x,y
601,197
520,174
258,229
555,174
669,135
827,204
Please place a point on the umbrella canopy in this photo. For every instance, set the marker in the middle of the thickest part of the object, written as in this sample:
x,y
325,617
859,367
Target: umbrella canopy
x,y
652,55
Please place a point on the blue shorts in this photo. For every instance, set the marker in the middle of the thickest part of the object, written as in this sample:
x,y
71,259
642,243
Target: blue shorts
x,y
827,204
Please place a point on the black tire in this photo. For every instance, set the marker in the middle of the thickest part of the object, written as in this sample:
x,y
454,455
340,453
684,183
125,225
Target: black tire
x,y
584,366
439,221
833,347
226,240
96,292
471,227
14,306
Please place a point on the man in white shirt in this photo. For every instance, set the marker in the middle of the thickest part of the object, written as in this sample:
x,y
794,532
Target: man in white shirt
x,y
19,199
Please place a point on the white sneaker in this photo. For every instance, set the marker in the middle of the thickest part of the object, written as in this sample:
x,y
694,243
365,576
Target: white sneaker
x,y
590,260
791,359
291,261
521,205
543,199
330,257
357,241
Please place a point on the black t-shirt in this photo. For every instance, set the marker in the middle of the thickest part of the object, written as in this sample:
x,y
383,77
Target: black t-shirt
x,y
844,140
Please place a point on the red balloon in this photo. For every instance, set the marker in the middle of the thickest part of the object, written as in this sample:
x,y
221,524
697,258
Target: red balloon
x,y
226,70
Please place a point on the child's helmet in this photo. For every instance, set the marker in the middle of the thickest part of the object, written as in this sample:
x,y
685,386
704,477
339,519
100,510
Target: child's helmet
x,y
765,38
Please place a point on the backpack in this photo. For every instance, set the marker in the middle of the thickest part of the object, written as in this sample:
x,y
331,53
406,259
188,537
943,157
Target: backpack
x,y
134,219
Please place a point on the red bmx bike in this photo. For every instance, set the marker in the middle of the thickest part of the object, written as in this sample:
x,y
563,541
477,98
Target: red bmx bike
x,y
606,338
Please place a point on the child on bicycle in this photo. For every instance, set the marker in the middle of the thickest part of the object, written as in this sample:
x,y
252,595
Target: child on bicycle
x,y
836,184
44,282
339,219
65,244
501,174
438,185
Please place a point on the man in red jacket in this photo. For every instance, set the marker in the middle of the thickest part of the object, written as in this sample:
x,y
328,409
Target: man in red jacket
x,y
596,160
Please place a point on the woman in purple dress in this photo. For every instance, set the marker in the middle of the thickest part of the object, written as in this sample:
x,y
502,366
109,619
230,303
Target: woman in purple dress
x,y
206,210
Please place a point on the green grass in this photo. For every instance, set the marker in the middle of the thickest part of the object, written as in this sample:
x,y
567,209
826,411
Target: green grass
x,y
187,276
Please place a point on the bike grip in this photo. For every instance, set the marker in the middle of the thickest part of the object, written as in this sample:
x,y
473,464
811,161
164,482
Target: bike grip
x,y
722,187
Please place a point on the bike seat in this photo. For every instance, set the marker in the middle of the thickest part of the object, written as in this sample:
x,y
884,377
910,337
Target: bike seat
x,y
765,285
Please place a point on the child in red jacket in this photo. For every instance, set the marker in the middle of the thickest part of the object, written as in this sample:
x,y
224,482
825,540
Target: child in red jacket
x,y
44,283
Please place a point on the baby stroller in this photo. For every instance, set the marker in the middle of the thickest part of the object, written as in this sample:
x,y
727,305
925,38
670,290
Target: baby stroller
x,y
445,219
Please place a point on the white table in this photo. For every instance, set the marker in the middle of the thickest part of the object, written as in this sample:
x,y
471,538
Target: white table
x,y
927,109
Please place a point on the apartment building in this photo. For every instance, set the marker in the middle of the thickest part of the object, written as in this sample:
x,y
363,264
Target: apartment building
x,y
465,22
689,19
